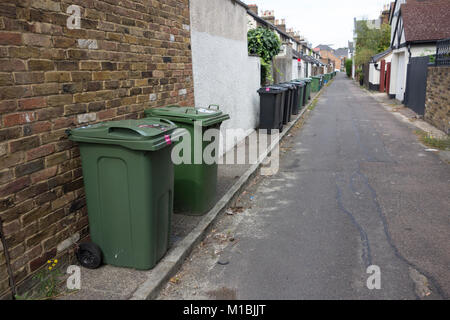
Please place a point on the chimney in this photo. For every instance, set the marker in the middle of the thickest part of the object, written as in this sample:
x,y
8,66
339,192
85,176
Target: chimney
x,y
269,16
290,32
281,24
298,37
253,8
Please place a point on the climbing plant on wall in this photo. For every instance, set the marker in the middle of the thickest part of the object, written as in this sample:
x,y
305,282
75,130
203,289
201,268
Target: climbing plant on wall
x,y
266,44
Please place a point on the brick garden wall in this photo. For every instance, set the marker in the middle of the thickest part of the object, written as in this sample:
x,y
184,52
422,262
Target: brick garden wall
x,y
128,55
437,101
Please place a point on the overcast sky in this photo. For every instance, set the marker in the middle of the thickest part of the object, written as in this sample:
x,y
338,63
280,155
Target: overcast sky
x,y
322,21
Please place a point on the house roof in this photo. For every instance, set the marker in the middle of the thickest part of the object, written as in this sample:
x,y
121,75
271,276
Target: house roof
x,y
341,52
380,55
325,47
308,59
426,20
270,25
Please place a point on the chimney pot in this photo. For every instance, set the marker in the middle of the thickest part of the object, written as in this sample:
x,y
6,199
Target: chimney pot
x,y
269,16
253,8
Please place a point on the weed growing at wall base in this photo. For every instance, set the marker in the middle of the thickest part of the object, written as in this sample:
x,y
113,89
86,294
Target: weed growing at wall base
x,y
433,142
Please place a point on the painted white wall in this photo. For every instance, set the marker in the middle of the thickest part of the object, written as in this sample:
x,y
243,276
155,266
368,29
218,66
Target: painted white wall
x,y
224,74
251,23
388,58
420,51
301,73
295,74
374,74
395,17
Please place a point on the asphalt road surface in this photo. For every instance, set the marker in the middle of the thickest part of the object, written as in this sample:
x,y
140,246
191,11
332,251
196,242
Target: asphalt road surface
x,y
355,189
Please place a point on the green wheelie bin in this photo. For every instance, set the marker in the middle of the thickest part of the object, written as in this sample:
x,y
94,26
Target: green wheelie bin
x,y
301,85
321,81
195,180
128,178
308,82
315,83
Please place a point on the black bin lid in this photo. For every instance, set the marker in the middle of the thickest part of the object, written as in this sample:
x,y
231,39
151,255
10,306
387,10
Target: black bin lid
x,y
287,85
272,89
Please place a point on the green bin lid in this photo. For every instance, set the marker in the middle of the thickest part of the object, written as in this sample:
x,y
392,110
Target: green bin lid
x,y
148,134
300,83
207,116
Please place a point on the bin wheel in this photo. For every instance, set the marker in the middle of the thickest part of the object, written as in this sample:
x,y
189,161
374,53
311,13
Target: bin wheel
x,y
89,255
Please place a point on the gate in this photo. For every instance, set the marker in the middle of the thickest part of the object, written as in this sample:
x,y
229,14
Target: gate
x,y
366,75
416,84
388,78
382,75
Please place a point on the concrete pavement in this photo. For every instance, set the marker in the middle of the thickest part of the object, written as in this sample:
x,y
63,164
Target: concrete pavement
x,y
355,188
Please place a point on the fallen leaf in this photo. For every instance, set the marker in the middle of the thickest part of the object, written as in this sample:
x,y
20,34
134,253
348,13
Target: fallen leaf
x,y
174,280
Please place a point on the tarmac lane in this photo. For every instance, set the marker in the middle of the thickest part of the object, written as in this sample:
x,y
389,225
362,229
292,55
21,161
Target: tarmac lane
x,y
358,210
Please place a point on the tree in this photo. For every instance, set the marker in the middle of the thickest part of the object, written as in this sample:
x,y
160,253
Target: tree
x,y
369,41
266,44
348,67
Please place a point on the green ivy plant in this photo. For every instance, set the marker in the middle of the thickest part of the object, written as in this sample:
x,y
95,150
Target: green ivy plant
x,y
266,44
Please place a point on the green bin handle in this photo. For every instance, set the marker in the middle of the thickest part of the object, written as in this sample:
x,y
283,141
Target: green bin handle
x,y
166,121
214,105
191,109
126,129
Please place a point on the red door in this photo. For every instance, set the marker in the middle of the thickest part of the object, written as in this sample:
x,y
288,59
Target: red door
x,y
388,77
382,75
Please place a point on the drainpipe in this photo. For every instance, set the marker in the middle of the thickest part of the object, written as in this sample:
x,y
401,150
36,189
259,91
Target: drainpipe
x,y
409,52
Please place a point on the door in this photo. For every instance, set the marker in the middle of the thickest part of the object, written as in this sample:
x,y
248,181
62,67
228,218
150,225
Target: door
x,y
401,75
416,84
382,75
388,78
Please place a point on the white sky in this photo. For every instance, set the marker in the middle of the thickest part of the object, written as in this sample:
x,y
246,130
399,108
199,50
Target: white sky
x,y
322,21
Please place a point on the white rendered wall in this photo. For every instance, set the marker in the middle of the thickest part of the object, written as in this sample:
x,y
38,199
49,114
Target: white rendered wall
x,y
295,74
374,74
224,74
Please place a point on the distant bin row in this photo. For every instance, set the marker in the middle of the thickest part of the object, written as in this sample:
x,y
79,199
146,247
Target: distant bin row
x,y
279,102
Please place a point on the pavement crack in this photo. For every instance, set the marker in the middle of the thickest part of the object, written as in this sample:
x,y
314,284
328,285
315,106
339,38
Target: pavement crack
x,y
397,253
366,252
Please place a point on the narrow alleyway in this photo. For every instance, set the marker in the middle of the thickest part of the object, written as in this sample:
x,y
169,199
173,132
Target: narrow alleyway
x,y
355,189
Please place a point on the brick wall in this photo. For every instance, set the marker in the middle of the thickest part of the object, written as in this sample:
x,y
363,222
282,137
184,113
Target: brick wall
x,y
328,55
128,55
437,101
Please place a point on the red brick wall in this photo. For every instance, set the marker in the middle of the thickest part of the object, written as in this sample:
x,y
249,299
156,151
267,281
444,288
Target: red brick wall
x,y
50,81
